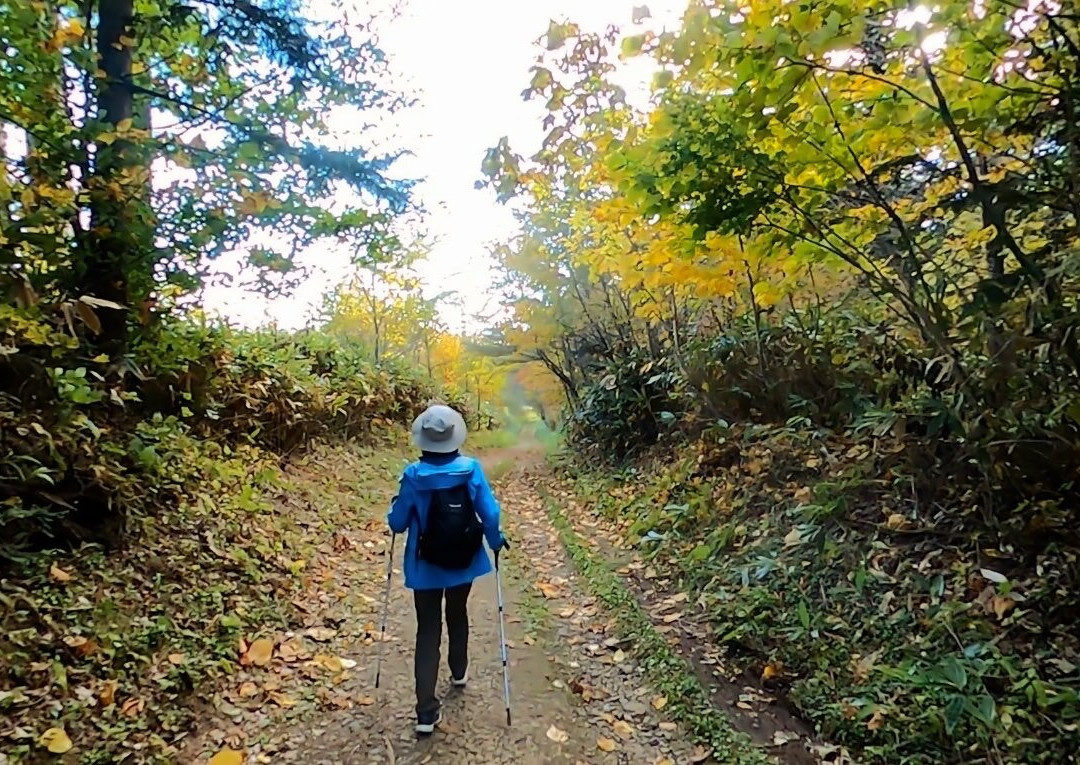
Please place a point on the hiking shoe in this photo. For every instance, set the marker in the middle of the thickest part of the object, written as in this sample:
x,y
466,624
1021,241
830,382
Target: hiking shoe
x,y
460,682
427,727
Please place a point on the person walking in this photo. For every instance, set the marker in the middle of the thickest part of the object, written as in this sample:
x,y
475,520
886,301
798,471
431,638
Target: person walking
x,y
447,508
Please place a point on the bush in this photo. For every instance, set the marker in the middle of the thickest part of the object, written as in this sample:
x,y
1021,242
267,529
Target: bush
x,y
86,443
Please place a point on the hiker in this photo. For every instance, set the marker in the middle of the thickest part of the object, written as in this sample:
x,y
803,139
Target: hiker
x,y
448,509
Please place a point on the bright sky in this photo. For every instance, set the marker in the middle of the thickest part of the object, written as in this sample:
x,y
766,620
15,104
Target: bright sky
x,y
467,62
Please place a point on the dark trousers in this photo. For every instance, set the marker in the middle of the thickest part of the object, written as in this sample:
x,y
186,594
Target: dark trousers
x,y
429,639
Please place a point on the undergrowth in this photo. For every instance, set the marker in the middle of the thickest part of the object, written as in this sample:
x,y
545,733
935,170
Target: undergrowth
x,y
666,670
900,631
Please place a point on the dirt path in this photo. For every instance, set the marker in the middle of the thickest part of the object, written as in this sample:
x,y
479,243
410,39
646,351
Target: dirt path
x,y
577,697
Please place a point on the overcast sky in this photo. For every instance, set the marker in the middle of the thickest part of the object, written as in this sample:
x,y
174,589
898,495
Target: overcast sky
x,y
467,63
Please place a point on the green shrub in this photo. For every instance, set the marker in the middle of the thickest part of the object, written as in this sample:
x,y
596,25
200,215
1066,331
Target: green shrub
x,y
86,443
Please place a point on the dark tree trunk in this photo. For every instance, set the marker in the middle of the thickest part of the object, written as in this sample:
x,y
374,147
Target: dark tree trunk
x,y
114,239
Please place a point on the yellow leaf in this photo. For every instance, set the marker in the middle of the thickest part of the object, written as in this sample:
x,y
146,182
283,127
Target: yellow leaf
x,y
55,740
876,722
258,653
107,695
619,656
281,699
623,728
605,744
659,702
328,662
177,658
896,521
59,574
365,701
227,757
1002,605
771,671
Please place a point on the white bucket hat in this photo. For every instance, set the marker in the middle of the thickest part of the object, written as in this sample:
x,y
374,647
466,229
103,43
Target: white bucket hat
x,y
439,429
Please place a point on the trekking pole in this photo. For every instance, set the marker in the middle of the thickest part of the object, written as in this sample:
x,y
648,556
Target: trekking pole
x,y
502,638
385,608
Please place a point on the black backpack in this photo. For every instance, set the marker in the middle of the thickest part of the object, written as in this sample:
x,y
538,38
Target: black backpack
x,y
453,533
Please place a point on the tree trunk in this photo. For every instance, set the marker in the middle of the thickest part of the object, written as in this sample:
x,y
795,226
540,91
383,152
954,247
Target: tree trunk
x,y
115,239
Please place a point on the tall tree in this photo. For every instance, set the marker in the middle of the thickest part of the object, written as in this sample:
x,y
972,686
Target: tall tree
x,y
235,105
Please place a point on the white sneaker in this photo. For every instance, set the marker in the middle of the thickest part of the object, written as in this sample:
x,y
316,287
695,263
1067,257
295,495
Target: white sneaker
x,y
426,729
460,682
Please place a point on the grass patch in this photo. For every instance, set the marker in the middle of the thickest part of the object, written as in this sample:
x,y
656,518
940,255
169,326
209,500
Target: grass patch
x,y
492,439
665,669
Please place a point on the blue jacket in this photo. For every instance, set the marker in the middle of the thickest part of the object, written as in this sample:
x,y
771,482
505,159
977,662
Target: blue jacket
x,y
408,512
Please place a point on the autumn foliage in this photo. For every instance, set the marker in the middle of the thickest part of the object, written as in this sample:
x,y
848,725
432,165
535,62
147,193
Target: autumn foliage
x,y
853,226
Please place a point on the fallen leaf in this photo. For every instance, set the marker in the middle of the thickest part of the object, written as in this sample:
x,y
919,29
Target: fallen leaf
x,y
623,728
63,577
320,634
281,699
107,694
792,538
993,576
567,612
177,659
258,653
659,702
132,707
619,656
783,737
548,589
328,662
605,744
227,757
558,735
366,701
700,754
668,726
1002,605
876,722
896,521
672,618
55,740
247,690
772,671
291,650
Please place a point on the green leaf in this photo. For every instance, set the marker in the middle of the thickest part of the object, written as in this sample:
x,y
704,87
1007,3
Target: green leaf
x,y
631,46
954,711
954,673
984,709
701,553
804,614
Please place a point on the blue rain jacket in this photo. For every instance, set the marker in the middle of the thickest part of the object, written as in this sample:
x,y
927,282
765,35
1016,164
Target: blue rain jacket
x,y
408,512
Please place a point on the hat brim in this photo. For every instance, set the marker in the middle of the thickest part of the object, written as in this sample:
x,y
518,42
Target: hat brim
x,y
457,438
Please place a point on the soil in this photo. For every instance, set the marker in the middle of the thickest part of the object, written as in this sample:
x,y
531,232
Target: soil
x,y
576,695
